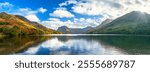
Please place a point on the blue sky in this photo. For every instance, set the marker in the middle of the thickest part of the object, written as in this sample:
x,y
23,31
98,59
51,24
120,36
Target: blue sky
x,y
50,5
72,13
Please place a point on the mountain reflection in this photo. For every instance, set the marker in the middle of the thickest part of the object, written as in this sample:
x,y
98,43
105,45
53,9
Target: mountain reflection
x,y
13,45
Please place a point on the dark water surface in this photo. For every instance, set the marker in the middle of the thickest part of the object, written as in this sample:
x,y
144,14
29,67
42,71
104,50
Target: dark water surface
x,y
76,45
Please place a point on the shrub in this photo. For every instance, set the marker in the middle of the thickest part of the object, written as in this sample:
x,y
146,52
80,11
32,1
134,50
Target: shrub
x,y
4,23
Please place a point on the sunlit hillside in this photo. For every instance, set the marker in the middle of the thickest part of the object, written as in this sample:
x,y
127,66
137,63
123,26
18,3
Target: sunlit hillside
x,y
12,25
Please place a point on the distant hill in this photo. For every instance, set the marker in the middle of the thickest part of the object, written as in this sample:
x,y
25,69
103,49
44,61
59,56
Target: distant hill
x,y
131,23
66,30
19,25
105,22
80,30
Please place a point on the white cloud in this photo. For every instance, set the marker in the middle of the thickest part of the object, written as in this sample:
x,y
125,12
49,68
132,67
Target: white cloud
x,y
5,6
63,4
62,13
68,3
26,11
29,13
86,8
53,19
42,10
87,21
110,8
32,17
54,23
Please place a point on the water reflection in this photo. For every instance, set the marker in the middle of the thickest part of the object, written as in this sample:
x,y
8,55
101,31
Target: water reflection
x,y
76,45
13,45
73,46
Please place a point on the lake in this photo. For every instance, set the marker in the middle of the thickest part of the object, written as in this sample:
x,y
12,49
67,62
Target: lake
x,y
76,44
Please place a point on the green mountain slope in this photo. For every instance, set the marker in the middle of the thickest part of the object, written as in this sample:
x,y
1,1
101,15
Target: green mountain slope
x,y
131,23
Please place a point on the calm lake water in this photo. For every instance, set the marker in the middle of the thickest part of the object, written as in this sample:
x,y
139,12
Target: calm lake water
x,y
76,45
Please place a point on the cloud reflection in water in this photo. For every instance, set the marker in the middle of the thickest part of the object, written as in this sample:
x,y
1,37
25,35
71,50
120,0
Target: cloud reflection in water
x,y
73,46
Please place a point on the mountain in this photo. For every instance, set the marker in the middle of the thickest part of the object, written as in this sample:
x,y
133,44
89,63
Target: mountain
x,y
131,23
64,29
80,30
19,25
